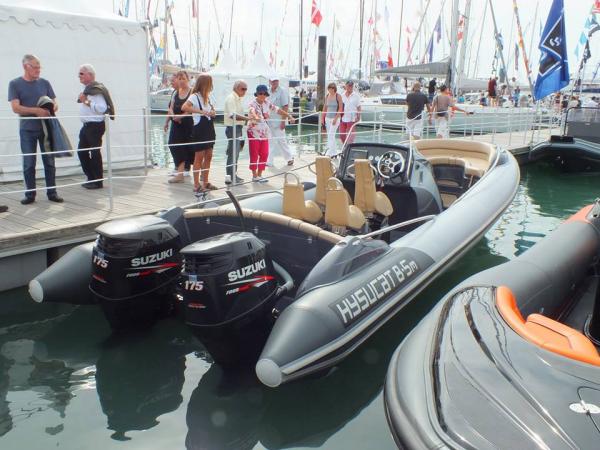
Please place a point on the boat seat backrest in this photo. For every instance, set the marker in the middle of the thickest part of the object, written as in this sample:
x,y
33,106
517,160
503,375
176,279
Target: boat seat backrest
x,y
477,156
339,213
366,197
324,170
545,332
294,204
266,216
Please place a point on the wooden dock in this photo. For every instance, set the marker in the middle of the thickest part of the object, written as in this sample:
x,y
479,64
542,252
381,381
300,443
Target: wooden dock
x,y
31,236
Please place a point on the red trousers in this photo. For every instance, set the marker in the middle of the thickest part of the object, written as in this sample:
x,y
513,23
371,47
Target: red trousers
x,y
259,153
346,135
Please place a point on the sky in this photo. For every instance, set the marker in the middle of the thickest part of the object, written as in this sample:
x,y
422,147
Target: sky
x,y
278,31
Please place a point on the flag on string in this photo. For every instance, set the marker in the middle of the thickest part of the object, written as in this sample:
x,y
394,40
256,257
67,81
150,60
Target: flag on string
x,y
315,16
370,21
461,27
553,74
596,7
587,54
516,57
438,29
127,8
595,26
390,59
194,8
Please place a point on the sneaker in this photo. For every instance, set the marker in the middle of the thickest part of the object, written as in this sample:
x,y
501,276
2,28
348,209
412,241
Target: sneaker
x,y
239,180
3,208
263,180
27,200
227,179
291,162
256,179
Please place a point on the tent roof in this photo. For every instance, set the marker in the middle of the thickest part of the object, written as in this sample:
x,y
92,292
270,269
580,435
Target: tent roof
x,y
227,65
67,13
439,68
259,66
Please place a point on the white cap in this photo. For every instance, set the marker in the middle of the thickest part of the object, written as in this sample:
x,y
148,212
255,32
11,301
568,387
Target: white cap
x,y
274,78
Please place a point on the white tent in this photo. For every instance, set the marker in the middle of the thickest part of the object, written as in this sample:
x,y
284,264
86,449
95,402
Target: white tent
x,y
227,72
64,36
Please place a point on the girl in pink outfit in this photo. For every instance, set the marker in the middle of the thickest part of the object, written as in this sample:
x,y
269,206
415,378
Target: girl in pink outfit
x,y
259,132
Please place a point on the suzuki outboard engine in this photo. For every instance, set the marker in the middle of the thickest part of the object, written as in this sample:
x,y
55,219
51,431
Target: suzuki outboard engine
x,y
229,291
135,266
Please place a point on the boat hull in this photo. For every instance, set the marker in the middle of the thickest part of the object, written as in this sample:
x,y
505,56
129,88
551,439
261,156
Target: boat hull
x,y
316,331
569,154
463,378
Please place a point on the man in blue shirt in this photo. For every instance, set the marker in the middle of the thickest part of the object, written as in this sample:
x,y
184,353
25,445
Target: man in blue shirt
x,y
23,95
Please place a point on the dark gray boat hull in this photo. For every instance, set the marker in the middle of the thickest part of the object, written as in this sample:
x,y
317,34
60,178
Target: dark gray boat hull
x,y
317,331
464,379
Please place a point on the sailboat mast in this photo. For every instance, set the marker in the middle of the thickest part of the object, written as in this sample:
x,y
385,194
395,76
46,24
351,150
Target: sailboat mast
x,y
463,45
412,45
230,25
400,32
500,50
300,42
360,45
479,42
537,5
166,31
451,80
522,45
197,36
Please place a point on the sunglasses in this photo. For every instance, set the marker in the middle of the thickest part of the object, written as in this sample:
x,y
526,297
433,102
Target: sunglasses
x,y
243,89
261,93
81,73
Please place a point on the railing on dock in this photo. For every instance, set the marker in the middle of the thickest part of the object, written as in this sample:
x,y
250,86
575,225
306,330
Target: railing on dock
x,y
524,126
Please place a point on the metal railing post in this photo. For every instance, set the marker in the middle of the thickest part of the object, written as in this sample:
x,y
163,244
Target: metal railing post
x,y
510,130
380,134
109,162
319,135
236,147
146,139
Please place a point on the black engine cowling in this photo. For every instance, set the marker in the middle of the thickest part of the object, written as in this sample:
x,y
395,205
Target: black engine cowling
x,y
135,264
229,290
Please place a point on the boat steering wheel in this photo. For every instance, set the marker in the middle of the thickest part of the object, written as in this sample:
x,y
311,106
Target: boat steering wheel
x,y
391,165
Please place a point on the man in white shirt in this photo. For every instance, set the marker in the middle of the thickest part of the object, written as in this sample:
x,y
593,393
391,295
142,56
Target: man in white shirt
x,y
351,113
233,112
94,102
279,142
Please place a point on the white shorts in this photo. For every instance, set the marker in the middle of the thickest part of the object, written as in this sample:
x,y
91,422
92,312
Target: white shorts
x,y
442,127
414,127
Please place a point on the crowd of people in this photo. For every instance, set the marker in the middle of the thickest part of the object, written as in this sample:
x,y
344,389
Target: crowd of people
x,y
190,123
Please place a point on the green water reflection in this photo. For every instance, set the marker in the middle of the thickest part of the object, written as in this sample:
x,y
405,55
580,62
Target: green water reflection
x,y
66,382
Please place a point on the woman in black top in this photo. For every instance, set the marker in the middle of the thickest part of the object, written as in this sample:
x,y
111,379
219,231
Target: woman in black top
x,y
181,129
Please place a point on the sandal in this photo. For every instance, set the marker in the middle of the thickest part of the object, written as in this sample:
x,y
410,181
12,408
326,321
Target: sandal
x,y
291,162
210,187
199,190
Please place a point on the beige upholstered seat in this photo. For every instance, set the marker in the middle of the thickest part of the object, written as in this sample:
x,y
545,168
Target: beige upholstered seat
x,y
477,156
366,198
294,204
339,213
324,170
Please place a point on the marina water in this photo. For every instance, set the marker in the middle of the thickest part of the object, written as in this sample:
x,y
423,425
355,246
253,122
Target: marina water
x,y
66,383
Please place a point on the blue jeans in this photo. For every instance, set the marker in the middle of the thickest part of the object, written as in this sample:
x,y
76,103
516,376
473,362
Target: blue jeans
x,y
29,141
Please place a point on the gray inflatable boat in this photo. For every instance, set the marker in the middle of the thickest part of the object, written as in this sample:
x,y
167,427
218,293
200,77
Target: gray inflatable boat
x,y
294,281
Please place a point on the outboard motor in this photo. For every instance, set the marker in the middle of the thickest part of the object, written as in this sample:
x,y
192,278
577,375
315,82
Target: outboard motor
x,y
229,290
135,266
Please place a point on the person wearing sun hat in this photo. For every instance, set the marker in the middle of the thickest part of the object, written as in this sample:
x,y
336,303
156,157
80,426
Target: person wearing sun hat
x,y
259,133
279,143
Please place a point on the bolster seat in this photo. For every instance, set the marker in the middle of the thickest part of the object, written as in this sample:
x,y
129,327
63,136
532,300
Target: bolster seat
x,y
339,213
294,204
366,197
